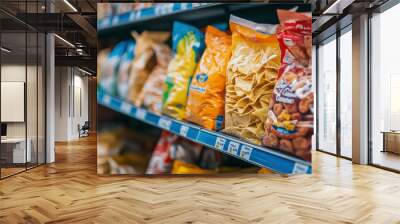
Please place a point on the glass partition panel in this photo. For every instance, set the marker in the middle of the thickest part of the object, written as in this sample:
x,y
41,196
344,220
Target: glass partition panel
x,y
15,151
385,89
346,94
327,96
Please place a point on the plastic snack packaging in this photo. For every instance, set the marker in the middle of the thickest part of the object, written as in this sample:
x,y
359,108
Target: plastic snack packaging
x,y
206,99
251,75
265,171
161,161
151,95
186,151
209,159
187,44
144,61
181,167
289,126
125,69
101,59
109,69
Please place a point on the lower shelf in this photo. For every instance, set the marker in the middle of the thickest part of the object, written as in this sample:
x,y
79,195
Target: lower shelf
x,y
257,155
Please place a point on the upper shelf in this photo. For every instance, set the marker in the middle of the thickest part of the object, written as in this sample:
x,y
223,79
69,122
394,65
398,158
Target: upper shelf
x,y
257,155
161,17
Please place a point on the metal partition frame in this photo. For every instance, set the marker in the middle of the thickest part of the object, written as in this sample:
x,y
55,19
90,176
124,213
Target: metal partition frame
x,y
389,4
44,75
339,32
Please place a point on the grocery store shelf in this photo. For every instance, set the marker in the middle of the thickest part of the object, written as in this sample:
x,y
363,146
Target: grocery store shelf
x,y
140,16
257,155
161,17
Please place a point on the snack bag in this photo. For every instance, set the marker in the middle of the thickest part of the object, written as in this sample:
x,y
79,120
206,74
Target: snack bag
x,y
181,167
186,151
188,44
251,75
289,126
151,95
125,69
206,99
144,61
161,161
101,59
109,69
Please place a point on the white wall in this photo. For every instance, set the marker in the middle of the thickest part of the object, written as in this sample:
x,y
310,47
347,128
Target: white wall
x,y
12,73
71,93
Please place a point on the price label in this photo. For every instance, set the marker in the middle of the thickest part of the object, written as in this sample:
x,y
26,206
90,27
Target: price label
x,y
184,6
245,152
106,99
164,9
140,113
115,20
126,108
164,123
184,130
233,148
132,16
300,168
219,143
138,14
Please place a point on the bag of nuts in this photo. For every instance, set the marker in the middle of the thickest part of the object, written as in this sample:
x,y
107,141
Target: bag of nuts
x,y
289,126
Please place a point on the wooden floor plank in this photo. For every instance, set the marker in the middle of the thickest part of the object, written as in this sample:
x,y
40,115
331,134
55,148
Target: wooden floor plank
x,y
69,191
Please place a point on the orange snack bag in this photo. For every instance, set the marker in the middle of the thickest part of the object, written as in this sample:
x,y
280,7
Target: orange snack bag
x,y
206,99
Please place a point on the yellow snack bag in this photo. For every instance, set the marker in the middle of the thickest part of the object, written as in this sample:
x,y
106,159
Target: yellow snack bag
x,y
265,171
251,75
205,105
181,167
188,44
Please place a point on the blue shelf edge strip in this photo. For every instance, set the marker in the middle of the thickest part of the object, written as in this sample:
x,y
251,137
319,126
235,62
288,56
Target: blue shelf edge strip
x,y
248,152
135,15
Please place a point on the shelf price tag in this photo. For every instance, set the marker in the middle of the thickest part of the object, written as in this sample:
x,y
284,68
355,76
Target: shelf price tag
x,y
140,113
233,148
219,143
184,130
299,168
164,123
138,14
132,16
126,108
164,9
245,152
115,20
107,99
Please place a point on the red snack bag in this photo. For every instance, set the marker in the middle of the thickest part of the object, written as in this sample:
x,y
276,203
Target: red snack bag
x,y
289,126
161,161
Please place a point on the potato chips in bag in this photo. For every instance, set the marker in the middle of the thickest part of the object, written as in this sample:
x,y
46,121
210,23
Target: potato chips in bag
x,y
187,44
251,75
144,61
289,126
206,99
151,95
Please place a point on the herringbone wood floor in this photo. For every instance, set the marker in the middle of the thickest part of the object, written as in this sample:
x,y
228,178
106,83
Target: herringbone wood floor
x,y
69,191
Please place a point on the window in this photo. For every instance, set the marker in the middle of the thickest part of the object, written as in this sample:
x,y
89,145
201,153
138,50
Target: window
x,y
327,96
346,93
385,89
